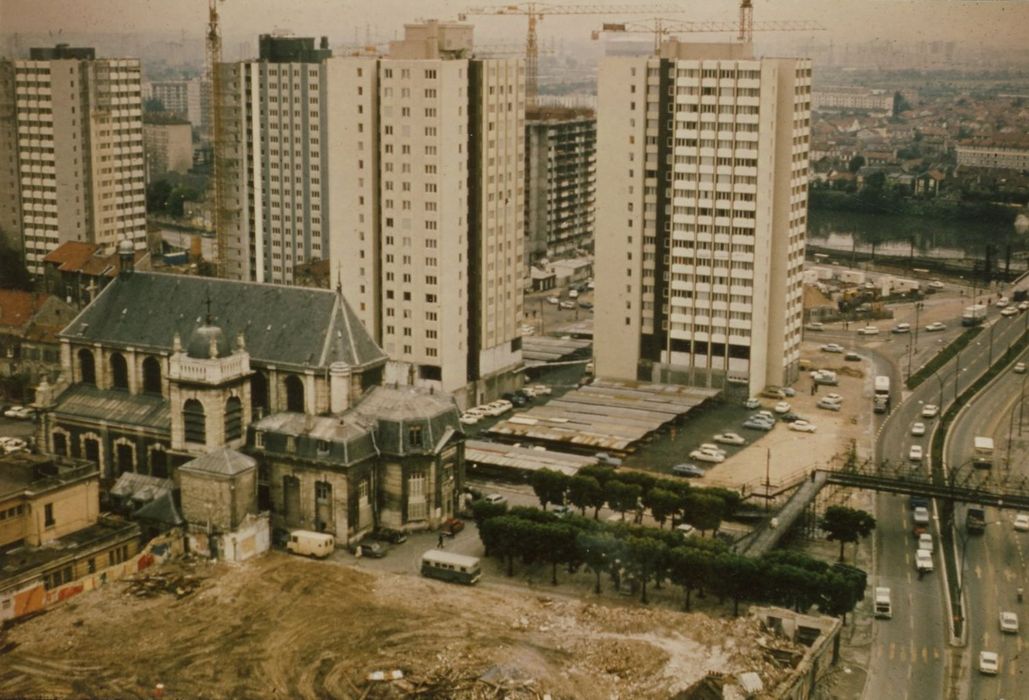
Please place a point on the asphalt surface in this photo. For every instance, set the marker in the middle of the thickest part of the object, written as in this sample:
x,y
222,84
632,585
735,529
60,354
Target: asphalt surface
x,y
993,565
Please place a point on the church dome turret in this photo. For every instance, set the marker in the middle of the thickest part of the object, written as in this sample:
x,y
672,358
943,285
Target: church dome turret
x,y
208,342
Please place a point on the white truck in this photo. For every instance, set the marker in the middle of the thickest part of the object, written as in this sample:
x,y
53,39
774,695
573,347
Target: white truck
x,y
982,456
883,604
311,544
881,398
973,315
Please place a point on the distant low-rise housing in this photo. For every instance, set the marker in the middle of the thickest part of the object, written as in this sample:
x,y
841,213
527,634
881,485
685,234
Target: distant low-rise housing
x,y
77,271
996,153
29,324
840,99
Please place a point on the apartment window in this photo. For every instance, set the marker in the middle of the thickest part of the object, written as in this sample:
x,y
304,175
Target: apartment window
x,y
48,515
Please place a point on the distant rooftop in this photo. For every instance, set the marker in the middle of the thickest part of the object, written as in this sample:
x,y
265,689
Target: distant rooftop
x,y
288,49
61,51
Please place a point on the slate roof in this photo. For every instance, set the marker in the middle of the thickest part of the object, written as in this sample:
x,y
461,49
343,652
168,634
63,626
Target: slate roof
x,y
294,326
394,410
343,440
117,407
221,462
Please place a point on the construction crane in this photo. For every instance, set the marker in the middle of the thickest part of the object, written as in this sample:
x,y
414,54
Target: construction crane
x,y
535,11
662,28
215,136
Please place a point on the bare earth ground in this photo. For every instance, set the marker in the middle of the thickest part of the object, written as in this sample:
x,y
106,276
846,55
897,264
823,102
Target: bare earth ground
x,y
284,627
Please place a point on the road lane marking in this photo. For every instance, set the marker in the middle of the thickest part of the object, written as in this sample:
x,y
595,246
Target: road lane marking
x,y
925,655
936,653
893,650
978,571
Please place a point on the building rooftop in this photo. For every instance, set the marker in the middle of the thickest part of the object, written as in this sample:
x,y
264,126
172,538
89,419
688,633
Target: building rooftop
x,y
221,462
115,407
25,473
17,307
291,326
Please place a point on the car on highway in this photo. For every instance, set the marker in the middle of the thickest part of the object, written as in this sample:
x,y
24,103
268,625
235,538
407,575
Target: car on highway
x,y
930,410
852,357
1019,368
925,541
729,439
989,663
935,284
1009,311
815,326
752,403
832,347
1022,522
782,407
553,300
755,424
496,499
829,405
1023,306
915,453
923,561
936,326
918,429
1002,303
690,471
868,330
707,456
901,328
802,426
1009,622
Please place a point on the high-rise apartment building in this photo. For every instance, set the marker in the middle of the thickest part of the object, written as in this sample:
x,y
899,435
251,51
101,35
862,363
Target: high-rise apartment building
x,y
560,181
10,188
271,160
702,211
183,98
79,127
427,172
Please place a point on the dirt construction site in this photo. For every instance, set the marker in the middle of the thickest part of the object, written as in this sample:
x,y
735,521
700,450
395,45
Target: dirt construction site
x,y
283,627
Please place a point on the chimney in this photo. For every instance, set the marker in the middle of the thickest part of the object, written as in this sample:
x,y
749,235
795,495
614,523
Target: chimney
x,y
339,387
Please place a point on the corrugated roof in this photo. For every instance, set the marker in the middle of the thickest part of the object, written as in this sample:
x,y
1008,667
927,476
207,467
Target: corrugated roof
x,y
120,407
281,325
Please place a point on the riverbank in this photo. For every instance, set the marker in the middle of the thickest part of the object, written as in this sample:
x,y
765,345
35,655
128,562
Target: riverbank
x,y
869,202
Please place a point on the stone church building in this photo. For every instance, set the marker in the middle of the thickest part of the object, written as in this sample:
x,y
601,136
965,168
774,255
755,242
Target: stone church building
x,y
162,369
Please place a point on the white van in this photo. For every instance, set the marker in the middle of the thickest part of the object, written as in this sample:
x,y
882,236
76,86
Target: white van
x,y
883,605
311,544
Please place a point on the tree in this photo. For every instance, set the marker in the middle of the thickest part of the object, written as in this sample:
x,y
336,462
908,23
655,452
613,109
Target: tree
x,y
596,550
483,510
157,193
738,577
846,525
549,486
152,104
663,503
703,511
585,492
559,545
13,273
601,473
690,568
643,558
856,163
900,103
622,497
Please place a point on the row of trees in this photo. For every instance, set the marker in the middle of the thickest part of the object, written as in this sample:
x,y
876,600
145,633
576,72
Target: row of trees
x,y
633,492
653,556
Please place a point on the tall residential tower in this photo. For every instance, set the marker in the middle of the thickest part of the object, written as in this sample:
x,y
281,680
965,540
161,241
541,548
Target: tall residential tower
x,y
702,213
80,168
427,171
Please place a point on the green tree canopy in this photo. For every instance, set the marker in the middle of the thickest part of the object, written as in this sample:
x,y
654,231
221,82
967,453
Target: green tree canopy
x,y
585,492
549,486
846,525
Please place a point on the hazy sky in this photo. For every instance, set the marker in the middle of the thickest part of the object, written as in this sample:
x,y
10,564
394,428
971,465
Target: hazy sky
x,y
998,22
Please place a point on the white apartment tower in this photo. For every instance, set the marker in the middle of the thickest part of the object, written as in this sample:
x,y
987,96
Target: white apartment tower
x,y
427,171
80,167
272,160
702,212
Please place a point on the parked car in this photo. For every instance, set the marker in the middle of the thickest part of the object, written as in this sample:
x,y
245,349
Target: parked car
x,y
1023,306
496,498
868,330
517,400
686,530
1019,368
607,460
790,417
585,305
930,410
773,392
1009,622
936,326
10,445
470,418
566,305
573,293
501,406
451,526
375,550
789,391
936,284
542,390
729,439
832,347
755,424
826,377
802,426
989,663
562,511
915,453
751,403
1022,522
1002,302
767,415
835,398
782,407
707,456
918,429
386,534
553,300
901,328
852,357
690,471
828,405
815,326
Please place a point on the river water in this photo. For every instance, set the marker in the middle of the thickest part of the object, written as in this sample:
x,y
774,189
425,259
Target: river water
x,y
894,235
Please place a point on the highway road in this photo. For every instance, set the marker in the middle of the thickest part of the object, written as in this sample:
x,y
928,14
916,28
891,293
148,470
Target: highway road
x,y
994,564
910,652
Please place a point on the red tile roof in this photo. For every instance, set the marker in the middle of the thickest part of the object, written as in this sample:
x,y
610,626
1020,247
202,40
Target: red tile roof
x,y
18,307
71,255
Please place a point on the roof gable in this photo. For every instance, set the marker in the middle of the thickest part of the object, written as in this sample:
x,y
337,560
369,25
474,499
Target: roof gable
x,y
282,325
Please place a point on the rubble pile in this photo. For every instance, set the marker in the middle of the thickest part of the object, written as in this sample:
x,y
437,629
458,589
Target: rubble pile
x,y
149,585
